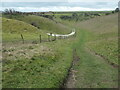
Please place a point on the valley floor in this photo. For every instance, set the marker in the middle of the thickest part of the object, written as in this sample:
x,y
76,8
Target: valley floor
x,y
91,71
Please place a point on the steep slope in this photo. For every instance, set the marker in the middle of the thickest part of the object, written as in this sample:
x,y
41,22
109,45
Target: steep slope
x,y
43,23
15,26
104,39
12,29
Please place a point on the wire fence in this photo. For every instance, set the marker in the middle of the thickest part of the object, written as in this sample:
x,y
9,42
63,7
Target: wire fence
x,y
51,37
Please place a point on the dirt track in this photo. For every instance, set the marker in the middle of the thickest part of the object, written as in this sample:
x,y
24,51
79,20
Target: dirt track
x,y
71,78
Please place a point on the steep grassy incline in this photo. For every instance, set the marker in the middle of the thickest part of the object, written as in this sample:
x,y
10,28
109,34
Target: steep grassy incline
x,y
12,29
104,36
43,23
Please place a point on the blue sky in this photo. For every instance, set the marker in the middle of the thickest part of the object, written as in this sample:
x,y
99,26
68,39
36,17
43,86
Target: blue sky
x,y
60,5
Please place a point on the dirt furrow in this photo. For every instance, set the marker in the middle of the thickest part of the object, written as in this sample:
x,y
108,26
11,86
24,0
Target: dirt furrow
x,y
71,78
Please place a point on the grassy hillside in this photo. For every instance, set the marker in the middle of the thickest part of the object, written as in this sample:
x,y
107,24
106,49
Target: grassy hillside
x,y
104,39
12,30
42,23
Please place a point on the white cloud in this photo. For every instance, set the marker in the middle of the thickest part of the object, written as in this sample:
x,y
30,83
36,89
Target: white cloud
x,y
60,0
93,0
56,8
34,0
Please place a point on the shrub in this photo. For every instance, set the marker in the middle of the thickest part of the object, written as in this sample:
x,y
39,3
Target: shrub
x,y
65,17
117,10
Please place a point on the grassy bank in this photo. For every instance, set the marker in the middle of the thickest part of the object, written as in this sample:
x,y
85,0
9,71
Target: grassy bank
x,y
104,36
36,66
12,30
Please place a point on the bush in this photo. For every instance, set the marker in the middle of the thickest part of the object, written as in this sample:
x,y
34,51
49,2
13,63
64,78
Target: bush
x,y
113,12
65,17
74,15
11,11
117,10
48,16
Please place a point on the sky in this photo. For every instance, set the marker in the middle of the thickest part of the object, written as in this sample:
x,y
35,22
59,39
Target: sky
x,y
58,5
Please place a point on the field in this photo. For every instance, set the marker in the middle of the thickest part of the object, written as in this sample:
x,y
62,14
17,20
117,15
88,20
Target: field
x,y
90,57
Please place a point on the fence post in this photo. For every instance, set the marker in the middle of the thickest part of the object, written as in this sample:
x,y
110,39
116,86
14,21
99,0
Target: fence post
x,y
49,38
40,38
55,37
22,38
75,34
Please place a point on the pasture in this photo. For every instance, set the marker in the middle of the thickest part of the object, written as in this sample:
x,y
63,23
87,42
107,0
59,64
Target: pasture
x,y
48,64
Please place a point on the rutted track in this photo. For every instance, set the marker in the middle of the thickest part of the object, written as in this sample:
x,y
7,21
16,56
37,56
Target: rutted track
x,y
70,80
106,59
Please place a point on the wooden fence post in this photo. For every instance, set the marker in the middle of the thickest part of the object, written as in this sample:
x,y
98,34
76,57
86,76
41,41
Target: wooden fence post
x,y
40,38
49,38
55,37
22,38
75,34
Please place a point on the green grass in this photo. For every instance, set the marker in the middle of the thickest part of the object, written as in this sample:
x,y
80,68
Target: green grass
x,y
42,23
45,65
98,35
107,48
12,30
45,69
27,65
104,36
92,71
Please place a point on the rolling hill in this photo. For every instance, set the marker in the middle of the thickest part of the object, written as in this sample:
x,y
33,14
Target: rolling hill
x,y
12,29
42,23
104,39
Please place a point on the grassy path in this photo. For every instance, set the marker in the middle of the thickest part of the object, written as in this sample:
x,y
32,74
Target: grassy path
x,y
92,71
